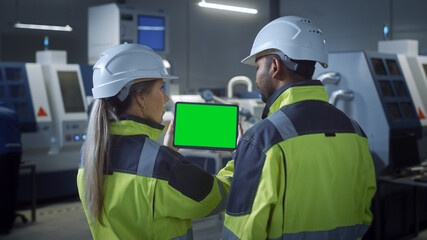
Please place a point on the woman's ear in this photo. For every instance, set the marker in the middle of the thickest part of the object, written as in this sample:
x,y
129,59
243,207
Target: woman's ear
x,y
140,100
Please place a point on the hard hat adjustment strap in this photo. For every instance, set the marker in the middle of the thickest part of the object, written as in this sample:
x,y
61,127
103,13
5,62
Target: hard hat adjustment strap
x,y
287,61
124,92
302,69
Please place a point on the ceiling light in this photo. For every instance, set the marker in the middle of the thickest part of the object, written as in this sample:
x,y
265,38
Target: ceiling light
x,y
66,28
203,3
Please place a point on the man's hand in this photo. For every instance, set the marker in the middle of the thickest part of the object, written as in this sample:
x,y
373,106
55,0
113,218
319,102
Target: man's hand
x,y
240,134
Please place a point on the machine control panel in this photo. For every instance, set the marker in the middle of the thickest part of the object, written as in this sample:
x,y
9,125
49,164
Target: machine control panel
x,y
74,132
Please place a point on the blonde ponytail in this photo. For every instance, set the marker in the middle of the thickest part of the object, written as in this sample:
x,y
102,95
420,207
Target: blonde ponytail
x,y
95,156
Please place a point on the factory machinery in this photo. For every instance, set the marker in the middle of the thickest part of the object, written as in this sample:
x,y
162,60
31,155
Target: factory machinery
x,y
384,92
51,104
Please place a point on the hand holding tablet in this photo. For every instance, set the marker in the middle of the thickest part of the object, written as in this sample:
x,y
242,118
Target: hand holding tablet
x,y
206,126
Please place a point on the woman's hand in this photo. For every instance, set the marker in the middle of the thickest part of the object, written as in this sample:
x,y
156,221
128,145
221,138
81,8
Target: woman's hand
x,y
168,140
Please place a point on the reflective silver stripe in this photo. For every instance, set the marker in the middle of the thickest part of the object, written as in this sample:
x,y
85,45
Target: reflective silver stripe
x,y
187,236
339,233
147,159
227,234
222,204
357,128
283,124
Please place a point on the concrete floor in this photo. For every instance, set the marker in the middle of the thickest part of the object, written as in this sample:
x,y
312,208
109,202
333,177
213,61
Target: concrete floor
x,y
66,220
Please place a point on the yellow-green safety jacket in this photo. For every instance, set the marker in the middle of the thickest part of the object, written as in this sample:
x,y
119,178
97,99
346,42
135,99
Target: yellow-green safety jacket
x,y
304,172
150,190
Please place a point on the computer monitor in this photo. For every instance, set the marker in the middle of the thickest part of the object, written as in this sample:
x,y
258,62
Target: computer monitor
x,y
151,32
71,92
112,24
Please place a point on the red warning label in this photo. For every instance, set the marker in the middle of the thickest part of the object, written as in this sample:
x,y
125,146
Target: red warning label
x,y
421,114
41,113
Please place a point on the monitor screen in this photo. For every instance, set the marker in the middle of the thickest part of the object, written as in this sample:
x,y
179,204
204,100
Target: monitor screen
x,y
206,126
151,32
71,92
378,66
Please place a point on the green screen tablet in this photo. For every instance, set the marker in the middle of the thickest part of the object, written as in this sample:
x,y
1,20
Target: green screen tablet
x,y
206,126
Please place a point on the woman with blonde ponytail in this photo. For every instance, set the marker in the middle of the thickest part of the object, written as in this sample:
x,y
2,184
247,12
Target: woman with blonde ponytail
x,y
130,186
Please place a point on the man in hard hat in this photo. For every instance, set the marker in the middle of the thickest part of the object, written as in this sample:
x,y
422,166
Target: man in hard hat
x,y
10,158
304,171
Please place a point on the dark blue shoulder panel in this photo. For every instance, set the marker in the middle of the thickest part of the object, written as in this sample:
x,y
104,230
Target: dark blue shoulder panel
x,y
249,160
125,152
142,156
310,117
184,176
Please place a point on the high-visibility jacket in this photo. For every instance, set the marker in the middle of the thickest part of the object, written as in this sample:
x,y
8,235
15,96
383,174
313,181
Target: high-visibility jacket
x,y
304,172
150,190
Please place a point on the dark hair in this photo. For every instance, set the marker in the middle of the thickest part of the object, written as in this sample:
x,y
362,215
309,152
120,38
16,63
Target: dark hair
x,y
305,68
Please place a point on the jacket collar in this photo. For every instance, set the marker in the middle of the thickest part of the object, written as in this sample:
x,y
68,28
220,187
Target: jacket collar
x,y
133,125
295,92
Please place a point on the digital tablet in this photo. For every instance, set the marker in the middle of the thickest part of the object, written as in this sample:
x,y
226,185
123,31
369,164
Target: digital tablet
x,y
206,126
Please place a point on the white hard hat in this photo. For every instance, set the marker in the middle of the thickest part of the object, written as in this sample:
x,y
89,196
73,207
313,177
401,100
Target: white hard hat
x,y
119,66
296,37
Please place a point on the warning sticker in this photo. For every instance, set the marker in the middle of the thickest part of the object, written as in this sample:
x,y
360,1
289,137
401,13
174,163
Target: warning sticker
x,y
421,114
41,113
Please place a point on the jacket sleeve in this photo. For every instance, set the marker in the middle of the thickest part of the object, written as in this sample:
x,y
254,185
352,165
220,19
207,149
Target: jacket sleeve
x,y
249,212
225,175
371,187
189,192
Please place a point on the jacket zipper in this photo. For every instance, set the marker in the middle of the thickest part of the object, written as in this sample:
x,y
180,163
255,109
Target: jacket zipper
x,y
284,192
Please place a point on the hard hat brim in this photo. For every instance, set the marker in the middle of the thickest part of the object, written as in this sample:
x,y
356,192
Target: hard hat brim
x,y
169,77
249,60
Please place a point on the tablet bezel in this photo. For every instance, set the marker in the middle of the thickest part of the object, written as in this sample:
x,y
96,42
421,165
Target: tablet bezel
x,y
203,147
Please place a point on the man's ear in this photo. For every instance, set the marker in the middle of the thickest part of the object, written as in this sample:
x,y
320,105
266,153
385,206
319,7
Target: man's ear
x,y
276,68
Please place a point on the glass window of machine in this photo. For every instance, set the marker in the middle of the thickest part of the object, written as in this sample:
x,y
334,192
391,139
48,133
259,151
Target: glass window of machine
x,y
393,110
386,89
399,86
392,67
13,74
378,65
407,110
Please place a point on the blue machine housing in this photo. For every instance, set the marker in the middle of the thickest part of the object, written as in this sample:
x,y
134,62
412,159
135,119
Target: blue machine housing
x,y
15,93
